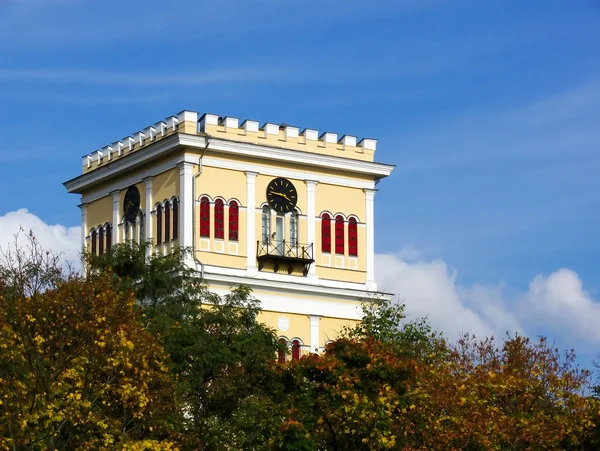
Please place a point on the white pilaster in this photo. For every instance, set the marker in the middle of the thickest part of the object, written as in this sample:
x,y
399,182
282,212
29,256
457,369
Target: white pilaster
x,y
186,207
84,224
149,205
251,220
314,332
115,217
311,224
370,225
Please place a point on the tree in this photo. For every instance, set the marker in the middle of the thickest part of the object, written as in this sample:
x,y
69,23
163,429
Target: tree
x,y
77,368
219,353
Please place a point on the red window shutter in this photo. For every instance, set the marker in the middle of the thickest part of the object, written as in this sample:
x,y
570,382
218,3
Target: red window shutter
x,y
159,224
204,217
326,233
108,237
339,234
94,236
233,220
101,241
295,350
281,354
352,237
175,219
167,222
219,219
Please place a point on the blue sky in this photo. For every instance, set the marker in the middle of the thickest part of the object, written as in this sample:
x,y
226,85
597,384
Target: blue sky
x,y
489,109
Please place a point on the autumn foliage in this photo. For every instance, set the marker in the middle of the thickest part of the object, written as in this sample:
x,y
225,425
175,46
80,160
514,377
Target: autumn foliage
x,y
139,355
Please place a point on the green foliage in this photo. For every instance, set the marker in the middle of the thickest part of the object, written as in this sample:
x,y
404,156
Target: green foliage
x,y
219,352
77,368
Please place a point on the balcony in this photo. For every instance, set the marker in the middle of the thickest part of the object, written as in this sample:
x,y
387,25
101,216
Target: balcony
x,y
275,254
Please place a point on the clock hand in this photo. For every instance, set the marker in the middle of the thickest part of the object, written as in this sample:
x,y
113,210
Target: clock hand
x,y
280,194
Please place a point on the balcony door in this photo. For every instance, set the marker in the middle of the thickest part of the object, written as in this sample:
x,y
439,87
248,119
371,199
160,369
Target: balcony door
x,y
279,236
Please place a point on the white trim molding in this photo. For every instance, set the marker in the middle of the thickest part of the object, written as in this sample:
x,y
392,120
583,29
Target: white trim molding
x,y
370,224
250,221
115,216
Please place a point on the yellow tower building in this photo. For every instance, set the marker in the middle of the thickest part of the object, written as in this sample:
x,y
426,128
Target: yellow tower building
x,y
288,213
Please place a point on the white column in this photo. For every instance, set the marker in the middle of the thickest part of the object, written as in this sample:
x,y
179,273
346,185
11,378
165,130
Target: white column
x,y
251,220
186,207
84,225
311,225
370,225
115,217
314,332
149,205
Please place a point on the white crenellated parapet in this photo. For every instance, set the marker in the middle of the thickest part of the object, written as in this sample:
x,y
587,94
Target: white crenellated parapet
x,y
108,151
270,129
347,141
290,132
172,122
129,141
310,135
208,119
138,138
150,133
328,138
161,128
187,122
250,126
230,123
118,148
368,144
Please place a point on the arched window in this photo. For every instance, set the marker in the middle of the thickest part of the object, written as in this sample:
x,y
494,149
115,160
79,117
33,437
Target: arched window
x,y
325,233
352,237
204,217
339,234
281,353
175,218
167,221
294,229
219,219
266,224
101,241
159,224
93,238
296,349
233,220
108,229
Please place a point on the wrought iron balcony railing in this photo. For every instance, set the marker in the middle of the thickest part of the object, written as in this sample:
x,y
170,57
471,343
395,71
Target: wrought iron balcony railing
x,y
281,252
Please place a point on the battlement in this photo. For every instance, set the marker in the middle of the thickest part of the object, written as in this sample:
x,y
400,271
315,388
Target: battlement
x,y
229,128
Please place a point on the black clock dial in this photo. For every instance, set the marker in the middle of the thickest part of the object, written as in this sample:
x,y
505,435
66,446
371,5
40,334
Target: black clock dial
x,y
131,203
282,195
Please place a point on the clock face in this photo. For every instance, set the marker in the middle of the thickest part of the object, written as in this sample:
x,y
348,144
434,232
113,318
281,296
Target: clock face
x,y
282,195
131,203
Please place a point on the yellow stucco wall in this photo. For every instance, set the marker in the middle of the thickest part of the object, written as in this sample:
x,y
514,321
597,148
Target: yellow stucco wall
x,y
330,328
225,183
99,212
165,185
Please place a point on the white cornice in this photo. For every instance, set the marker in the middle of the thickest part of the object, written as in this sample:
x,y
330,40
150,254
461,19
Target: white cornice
x,y
164,146
295,287
128,162
377,170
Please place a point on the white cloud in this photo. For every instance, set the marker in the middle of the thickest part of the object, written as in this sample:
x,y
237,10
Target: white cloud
x,y
57,238
555,305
